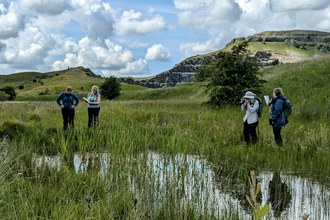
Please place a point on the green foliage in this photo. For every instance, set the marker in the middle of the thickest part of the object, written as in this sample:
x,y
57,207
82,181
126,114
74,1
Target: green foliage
x,y
21,87
10,90
3,96
229,75
111,88
258,212
14,128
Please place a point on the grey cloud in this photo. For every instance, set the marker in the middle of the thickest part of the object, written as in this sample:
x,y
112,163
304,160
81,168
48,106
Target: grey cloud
x,y
11,21
49,7
98,26
294,5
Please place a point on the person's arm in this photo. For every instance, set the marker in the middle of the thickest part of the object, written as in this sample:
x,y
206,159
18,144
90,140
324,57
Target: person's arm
x,y
255,106
60,97
76,99
278,107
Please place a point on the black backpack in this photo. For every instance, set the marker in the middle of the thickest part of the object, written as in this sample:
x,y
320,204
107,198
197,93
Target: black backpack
x,y
259,111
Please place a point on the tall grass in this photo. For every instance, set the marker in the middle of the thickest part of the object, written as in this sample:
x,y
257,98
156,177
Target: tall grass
x,y
178,124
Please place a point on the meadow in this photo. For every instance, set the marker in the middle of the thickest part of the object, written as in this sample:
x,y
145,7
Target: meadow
x,y
168,130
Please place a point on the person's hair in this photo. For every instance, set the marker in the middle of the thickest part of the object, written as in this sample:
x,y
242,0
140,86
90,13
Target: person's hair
x,y
69,88
95,87
278,91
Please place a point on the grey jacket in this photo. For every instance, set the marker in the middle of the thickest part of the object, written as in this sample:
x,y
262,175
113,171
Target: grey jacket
x,y
251,115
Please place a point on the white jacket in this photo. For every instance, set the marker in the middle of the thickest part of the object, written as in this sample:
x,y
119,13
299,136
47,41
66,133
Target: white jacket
x,y
251,115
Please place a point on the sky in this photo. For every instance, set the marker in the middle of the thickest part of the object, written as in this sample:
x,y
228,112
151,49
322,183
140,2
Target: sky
x,y
138,38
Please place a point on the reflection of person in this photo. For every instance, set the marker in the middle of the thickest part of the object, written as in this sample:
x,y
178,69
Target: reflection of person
x,y
250,105
279,194
278,118
67,101
94,99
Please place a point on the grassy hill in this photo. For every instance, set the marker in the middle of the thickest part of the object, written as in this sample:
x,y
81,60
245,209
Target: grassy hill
x,y
46,86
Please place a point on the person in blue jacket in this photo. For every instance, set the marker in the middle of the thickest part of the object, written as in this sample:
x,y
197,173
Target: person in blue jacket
x,y
67,101
278,117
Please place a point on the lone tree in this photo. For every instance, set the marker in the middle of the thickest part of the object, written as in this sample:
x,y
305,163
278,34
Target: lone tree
x,y
110,89
229,75
9,90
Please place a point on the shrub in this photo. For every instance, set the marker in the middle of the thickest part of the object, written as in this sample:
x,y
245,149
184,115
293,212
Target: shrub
x,y
21,87
229,75
10,90
110,89
14,128
3,96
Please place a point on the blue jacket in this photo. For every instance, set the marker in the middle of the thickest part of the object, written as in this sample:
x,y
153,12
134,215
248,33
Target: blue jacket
x,y
278,116
67,100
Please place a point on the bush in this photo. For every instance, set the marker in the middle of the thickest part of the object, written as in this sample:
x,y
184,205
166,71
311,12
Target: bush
x,y
229,75
10,90
14,128
110,89
21,87
3,96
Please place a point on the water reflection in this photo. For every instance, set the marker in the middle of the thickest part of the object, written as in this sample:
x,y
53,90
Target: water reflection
x,y
279,195
290,197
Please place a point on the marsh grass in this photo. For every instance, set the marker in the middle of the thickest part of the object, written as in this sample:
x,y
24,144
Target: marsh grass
x,y
178,124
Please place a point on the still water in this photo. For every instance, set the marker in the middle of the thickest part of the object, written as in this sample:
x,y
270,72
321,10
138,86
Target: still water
x,y
196,185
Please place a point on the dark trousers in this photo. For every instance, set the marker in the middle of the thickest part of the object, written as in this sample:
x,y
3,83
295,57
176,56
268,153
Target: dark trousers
x,y
68,117
250,130
93,116
277,135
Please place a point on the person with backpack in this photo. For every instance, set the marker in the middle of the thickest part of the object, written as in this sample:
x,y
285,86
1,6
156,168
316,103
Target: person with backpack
x,y
250,119
278,116
67,101
93,100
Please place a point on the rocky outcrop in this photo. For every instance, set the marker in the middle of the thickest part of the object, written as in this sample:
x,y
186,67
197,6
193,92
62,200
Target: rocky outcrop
x,y
185,70
182,72
286,36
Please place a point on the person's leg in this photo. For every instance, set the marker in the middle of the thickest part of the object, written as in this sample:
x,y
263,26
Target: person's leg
x,y
65,118
253,131
246,132
96,116
277,136
90,117
71,117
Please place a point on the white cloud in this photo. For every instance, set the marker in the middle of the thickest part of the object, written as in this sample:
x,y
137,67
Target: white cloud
x,y
193,48
293,5
111,58
203,15
136,44
158,52
95,17
12,22
49,7
132,22
138,68
29,50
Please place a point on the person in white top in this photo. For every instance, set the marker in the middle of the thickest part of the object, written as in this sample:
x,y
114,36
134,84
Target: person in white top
x,y
250,119
93,100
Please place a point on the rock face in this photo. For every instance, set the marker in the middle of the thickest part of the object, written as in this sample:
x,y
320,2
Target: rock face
x,y
286,36
301,39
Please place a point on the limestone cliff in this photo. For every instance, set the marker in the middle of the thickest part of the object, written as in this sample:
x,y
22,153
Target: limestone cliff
x,y
301,40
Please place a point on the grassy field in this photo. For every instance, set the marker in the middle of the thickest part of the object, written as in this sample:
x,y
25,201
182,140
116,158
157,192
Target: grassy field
x,y
169,122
